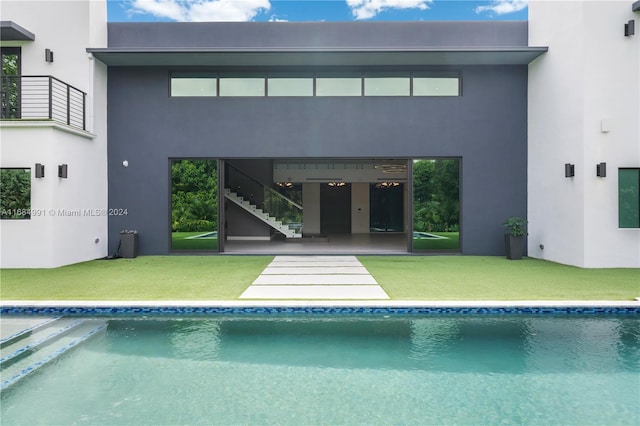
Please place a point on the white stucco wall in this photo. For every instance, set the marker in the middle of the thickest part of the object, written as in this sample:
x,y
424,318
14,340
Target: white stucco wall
x,y
360,208
50,238
591,73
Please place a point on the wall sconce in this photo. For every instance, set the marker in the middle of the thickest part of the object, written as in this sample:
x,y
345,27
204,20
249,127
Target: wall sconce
x,y
569,170
62,171
39,170
601,170
48,55
630,28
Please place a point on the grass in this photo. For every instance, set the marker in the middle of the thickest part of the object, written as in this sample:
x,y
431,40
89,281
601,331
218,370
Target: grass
x,y
496,278
403,277
452,242
142,278
181,241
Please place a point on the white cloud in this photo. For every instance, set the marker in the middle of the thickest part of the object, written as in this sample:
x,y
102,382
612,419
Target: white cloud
x,y
201,10
365,9
502,7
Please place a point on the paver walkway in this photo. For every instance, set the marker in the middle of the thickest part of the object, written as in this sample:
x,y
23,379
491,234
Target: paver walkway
x,y
315,277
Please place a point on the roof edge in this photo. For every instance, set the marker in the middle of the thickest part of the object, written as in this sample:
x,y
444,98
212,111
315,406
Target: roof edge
x,y
10,31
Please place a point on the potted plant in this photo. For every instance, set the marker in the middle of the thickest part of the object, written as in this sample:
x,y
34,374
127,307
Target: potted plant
x,y
514,237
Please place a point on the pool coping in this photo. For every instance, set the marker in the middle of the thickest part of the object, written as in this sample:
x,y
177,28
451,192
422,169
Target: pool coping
x,y
328,303
331,307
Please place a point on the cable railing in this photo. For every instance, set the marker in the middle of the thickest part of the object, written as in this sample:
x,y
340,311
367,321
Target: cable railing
x,y
42,97
266,198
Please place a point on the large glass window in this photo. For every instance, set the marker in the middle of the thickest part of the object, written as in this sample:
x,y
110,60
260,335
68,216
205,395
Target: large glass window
x,y
386,84
435,84
629,198
290,84
15,193
194,205
193,84
339,84
323,83
436,205
248,84
387,207
10,82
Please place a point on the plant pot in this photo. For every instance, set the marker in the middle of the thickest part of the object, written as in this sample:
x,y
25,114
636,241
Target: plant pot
x,y
514,246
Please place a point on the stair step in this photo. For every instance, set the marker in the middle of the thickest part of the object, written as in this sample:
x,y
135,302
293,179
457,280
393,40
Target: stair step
x,y
32,341
18,328
22,361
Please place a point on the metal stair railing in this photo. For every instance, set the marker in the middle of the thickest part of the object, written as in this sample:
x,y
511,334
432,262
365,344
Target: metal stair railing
x,y
267,200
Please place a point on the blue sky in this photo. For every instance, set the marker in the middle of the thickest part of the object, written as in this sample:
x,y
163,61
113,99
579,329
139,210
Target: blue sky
x,y
315,10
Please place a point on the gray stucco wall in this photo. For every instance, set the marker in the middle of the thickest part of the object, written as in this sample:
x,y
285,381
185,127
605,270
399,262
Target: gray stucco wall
x,y
317,34
486,126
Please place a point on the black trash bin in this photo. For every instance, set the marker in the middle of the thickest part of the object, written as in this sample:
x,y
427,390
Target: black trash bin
x,y
128,244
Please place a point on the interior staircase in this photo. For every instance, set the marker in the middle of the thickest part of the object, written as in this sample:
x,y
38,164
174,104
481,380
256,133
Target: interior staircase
x,y
32,347
288,230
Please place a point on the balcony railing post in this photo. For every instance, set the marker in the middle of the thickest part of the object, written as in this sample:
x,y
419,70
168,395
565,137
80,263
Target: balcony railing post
x,y
68,105
84,111
50,97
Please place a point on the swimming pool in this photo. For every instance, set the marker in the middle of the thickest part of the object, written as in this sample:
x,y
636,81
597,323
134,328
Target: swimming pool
x,y
353,369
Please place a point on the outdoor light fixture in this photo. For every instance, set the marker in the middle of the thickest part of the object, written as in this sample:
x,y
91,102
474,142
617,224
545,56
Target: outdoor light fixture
x,y
285,184
62,171
125,163
569,170
39,170
336,184
601,170
387,184
48,55
630,28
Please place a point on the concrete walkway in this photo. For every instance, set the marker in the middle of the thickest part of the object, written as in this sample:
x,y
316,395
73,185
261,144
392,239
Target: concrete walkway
x,y
315,277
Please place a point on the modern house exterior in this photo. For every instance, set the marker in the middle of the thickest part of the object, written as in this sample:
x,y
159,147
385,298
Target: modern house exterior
x,y
53,114
303,131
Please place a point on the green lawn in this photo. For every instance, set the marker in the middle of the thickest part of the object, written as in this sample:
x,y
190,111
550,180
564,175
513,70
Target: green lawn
x,y
142,278
496,278
451,242
181,241
403,277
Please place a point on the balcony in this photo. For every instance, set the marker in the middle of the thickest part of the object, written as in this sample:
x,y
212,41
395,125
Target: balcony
x,y
42,97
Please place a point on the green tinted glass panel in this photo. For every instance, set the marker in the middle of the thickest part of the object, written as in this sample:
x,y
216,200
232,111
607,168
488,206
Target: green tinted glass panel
x,y
436,205
434,85
194,205
15,193
629,198
286,84
195,85
338,84
242,84
386,84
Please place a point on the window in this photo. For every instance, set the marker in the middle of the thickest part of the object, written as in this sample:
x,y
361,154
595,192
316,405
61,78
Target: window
x,y
15,193
242,84
193,84
339,84
629,198
310,84
10,82
436,204
435,84
194,204
290,84
386,84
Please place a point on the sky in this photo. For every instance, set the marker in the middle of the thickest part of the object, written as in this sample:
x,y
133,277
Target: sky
x,y
314,10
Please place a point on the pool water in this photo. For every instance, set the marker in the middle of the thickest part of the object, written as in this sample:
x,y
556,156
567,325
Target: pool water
x,y
342,370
